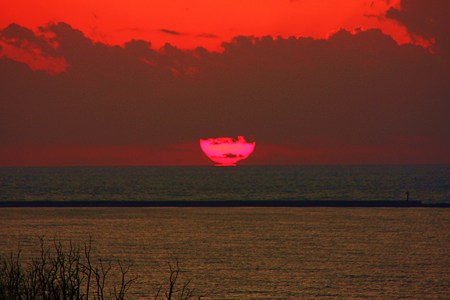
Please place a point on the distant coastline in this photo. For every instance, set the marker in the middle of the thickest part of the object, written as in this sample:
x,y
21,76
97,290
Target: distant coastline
x,y
226,203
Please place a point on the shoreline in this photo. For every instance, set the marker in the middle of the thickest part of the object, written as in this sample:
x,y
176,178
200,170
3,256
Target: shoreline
x,y
225,203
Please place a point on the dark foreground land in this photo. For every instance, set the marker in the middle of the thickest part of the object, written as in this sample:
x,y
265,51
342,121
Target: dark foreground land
x,y
226,203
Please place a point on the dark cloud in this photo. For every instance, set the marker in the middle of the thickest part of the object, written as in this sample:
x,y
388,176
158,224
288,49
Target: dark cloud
x,y
207,35
24,38
15,31
353,90
172,32
427,19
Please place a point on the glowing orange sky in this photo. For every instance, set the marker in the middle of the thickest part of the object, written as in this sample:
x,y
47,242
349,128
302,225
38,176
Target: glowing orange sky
x,y
207,23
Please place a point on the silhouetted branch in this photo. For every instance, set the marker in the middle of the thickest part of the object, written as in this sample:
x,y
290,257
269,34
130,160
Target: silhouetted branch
x,y
64,271
172,292
59,272
124,283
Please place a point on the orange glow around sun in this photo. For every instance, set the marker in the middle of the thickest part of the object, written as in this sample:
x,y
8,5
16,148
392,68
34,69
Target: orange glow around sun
x,y
226,151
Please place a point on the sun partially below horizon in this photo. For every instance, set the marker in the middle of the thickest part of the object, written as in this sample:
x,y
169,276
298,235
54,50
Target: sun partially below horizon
x,y
227,151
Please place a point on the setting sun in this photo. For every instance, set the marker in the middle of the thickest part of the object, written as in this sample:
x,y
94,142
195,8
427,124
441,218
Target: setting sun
x,y
226,151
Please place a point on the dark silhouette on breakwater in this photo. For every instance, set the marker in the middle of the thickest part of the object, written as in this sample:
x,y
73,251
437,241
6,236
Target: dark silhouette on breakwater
x,y
225,203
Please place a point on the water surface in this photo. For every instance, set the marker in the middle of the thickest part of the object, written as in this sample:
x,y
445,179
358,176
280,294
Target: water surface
x,y
424,183
260,253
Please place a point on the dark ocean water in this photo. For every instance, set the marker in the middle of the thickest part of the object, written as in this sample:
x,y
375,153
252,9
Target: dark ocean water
x,y
257,253
425,183
244,252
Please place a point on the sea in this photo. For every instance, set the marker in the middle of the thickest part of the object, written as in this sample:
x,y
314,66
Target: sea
x,y
246,252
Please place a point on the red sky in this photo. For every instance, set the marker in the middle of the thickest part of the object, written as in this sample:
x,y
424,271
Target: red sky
x,y
313,82
202,22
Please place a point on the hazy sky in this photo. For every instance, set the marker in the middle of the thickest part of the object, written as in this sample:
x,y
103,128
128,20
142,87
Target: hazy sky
x,y
140,82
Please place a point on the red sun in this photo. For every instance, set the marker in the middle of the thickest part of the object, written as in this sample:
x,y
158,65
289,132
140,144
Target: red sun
x,y
227,151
